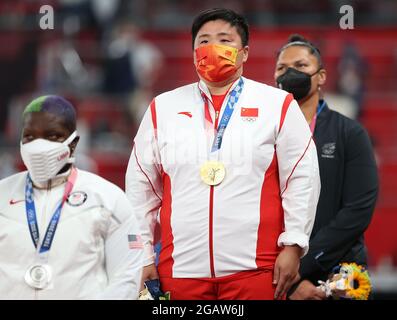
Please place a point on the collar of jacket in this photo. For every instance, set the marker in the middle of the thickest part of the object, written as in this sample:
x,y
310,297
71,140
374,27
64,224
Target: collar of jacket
x,y
324,113
206,92
16,191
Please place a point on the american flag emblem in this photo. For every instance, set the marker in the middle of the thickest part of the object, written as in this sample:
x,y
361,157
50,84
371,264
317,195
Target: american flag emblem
x,y
135,241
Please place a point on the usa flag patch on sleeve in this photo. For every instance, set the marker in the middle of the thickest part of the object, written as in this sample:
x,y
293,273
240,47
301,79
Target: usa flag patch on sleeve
x,y
135,241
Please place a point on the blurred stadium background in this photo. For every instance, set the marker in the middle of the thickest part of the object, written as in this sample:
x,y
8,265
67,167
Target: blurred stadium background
x,y
111,57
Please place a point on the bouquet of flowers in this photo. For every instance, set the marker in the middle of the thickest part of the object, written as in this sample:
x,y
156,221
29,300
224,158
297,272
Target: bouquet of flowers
x,y
348,281
152,291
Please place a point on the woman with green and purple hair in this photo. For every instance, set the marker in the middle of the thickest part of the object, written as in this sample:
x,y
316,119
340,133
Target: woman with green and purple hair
x,y
65,233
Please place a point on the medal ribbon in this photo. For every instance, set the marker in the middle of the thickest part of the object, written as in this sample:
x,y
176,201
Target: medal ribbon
x,y
31,213
227,114
314,120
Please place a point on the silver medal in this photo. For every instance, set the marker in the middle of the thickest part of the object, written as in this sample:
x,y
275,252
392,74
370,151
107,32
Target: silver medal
x,y
38,276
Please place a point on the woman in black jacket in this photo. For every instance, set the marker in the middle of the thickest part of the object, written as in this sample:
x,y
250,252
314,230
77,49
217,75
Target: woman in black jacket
x,y
349,180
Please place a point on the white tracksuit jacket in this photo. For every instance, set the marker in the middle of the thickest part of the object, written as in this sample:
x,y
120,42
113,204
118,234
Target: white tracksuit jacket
x,y
267,199
90,254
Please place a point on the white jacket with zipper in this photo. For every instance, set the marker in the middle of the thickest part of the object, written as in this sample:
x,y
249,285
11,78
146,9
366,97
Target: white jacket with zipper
x,y
90,254
269,195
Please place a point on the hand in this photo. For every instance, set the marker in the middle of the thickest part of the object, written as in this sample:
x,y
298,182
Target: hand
x,y
286,270
149,273
307,291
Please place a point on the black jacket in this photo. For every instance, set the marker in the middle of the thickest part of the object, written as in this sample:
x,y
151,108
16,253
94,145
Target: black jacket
x,y
349,188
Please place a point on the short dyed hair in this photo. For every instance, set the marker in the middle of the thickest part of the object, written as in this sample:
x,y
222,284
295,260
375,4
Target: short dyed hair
x,y
55,105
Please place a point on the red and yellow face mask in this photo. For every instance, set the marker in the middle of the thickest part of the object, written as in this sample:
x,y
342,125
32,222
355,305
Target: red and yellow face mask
x,y
216,62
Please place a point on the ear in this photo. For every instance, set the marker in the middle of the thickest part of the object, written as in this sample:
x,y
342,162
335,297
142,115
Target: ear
x,y
322,77
245,53
73,145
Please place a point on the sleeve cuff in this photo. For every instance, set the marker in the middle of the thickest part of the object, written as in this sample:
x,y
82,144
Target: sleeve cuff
x,y
291,238
310,265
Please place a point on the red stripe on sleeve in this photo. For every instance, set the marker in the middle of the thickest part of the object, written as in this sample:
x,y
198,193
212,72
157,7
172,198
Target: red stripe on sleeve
x,y
154,117
284,109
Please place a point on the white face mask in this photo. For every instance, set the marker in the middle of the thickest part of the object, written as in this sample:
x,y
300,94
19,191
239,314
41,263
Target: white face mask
x,y
44,158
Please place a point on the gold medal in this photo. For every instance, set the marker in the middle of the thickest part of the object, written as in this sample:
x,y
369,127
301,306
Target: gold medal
x,y
212,172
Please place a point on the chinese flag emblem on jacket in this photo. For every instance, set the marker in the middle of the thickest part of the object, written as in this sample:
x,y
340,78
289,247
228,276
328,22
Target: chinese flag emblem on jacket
x,y
249,114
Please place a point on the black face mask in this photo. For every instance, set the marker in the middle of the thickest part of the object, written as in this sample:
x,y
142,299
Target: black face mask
x,y
296,82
